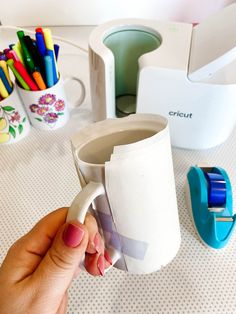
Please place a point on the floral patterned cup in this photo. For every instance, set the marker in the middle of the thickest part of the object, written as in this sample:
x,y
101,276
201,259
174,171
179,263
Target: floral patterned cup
x,y
14,123
48,109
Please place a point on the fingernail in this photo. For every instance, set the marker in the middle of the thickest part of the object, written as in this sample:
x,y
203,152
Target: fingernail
x,y
107,257
97,242
101,264
73,235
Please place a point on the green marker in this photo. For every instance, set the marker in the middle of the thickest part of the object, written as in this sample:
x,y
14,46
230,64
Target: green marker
x,y
26,55
10,63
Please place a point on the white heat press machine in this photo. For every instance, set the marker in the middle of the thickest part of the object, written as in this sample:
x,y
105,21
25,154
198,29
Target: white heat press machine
x,y
185,73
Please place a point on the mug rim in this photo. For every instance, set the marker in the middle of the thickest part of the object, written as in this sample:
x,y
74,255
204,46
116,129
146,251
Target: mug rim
x,y
118,126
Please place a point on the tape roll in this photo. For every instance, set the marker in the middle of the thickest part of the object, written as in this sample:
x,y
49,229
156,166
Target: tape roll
x,y
216,189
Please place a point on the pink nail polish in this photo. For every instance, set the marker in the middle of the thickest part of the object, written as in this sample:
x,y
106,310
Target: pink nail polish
x,y
107,257
101,264
97,241
73,235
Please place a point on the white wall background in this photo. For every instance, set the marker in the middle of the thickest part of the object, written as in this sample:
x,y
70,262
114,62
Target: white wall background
x,y
92,12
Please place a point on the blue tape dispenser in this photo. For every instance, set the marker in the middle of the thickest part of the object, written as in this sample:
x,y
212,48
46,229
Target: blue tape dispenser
x,y
209,198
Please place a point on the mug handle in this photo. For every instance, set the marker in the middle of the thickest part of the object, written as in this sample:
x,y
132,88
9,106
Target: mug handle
x,y
80,207
79,101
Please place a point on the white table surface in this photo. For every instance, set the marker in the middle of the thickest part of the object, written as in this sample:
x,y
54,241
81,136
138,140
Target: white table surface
x,y
37,175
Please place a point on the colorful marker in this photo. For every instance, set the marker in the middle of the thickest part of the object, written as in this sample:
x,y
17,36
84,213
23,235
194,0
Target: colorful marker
x,y
26,55
38,61
49,70
10,55
39,30
3,57
24,74
6,50
41,44
19,47
54,71
49,46
5,81
18,53
39,80
3,91
15,57
3,64
56,50
10,63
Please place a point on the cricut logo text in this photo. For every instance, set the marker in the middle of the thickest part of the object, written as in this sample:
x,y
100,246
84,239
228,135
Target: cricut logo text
x,y
180,114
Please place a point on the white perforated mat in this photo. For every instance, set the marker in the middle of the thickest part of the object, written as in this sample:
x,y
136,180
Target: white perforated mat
x,y
37,175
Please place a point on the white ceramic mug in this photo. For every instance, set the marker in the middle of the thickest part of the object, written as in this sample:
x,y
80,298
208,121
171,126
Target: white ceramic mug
x,y
14,123
48,109
126,173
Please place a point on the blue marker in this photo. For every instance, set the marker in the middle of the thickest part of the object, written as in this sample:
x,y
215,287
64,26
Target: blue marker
x,y
56,50
49,71
5,81
51,54
40,44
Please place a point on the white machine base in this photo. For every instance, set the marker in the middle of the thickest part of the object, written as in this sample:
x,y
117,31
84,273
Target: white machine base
x,y
200,107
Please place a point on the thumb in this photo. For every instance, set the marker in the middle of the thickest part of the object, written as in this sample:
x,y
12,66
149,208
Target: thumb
x,y
55,272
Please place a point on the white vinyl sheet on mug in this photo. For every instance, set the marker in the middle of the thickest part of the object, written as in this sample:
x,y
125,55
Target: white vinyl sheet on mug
x,y
147,173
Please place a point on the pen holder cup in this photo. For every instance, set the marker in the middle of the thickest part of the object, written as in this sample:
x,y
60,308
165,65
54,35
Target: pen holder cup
x,y
14,123
49,109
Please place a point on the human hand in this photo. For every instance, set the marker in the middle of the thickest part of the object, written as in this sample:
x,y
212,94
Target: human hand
x,y
40,266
